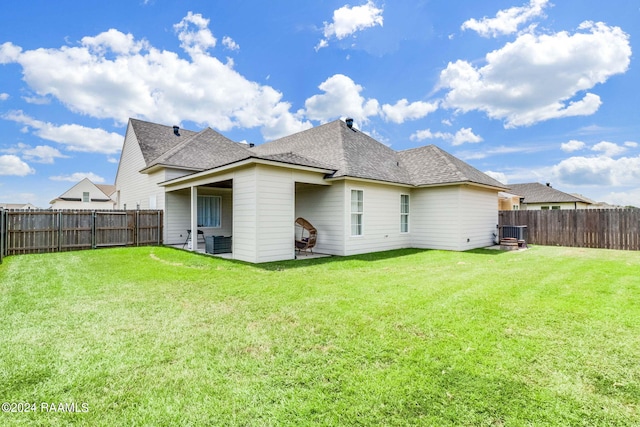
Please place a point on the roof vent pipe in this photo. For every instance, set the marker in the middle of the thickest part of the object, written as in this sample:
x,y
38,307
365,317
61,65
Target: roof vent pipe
x,y
349,122
176,130
548,184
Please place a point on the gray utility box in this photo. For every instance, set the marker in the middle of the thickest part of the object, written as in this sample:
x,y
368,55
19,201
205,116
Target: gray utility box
x,y
217,244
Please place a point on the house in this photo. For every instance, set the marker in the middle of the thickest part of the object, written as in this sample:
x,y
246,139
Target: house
x,y
361,195
86,195
508,201
536,196
17,206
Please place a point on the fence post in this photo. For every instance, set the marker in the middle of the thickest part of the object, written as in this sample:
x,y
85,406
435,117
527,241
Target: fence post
x,y
1,234
158,222
137,227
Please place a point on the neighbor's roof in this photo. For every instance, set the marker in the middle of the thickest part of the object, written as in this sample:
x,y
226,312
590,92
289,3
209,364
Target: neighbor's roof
x,y
107,189
332,146
534,192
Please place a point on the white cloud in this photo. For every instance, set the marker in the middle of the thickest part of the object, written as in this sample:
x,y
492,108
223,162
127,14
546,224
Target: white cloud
x,y
500,176
114,76
572,145
506,21
421,135
79,176
4,96
608,149
462,136
631,144
42,154
341,98
539,77
349,20
465,135
402,110
39,154
194,34
74,137
229,43
598,171
625,198
13,165
37,100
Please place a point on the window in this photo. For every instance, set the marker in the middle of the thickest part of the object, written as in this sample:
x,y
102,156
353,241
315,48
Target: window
x,y
404,213
85,197
516,207
357,204
555,207
544,208
209,211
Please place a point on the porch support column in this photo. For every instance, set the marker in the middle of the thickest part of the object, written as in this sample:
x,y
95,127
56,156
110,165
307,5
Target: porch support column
x,y
194,218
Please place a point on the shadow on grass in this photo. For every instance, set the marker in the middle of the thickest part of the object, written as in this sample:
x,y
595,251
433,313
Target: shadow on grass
x,y
368,257
337,260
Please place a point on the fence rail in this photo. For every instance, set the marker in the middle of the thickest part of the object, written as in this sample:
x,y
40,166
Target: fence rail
x,y
587,228
40,231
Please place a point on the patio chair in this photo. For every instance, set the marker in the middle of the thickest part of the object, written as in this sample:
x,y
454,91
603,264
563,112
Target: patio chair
x,y
306,235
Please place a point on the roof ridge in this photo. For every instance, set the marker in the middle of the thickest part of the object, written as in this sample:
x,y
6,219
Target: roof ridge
x,y
176,148
450,163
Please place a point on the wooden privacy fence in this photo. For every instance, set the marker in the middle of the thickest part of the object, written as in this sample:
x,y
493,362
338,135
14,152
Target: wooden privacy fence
x,y
586,228
38,231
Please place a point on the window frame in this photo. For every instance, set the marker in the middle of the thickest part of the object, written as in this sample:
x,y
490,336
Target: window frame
x,y
358,214
86,197
404,216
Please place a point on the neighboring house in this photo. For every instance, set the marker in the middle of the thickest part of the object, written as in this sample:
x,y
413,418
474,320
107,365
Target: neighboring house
x,y
508,201
17,206
361,195
86,195
596,205
536,196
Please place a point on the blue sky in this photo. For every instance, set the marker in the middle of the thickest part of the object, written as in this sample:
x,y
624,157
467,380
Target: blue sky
x,y
526,91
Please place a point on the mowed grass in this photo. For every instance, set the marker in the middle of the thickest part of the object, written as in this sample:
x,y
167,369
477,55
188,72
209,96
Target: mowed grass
x,y
160,337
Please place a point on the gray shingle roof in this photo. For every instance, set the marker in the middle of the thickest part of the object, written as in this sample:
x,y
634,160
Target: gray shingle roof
x,y
349,152
205,150
332,146
534,192
431,165
155,139
355,154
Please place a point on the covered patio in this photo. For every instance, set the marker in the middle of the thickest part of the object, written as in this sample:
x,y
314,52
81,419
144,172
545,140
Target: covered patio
x,y
252,202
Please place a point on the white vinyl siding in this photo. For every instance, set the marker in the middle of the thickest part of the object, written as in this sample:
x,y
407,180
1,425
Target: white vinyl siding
x,y
357,210
555,205
319,204
244,215
404,213
380,228
263,208
454,217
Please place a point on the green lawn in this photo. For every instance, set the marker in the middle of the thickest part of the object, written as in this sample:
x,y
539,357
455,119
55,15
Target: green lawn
x,y
161,337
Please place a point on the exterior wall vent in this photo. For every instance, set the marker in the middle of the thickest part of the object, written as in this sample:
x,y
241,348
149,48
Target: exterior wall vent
x,y
176,130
